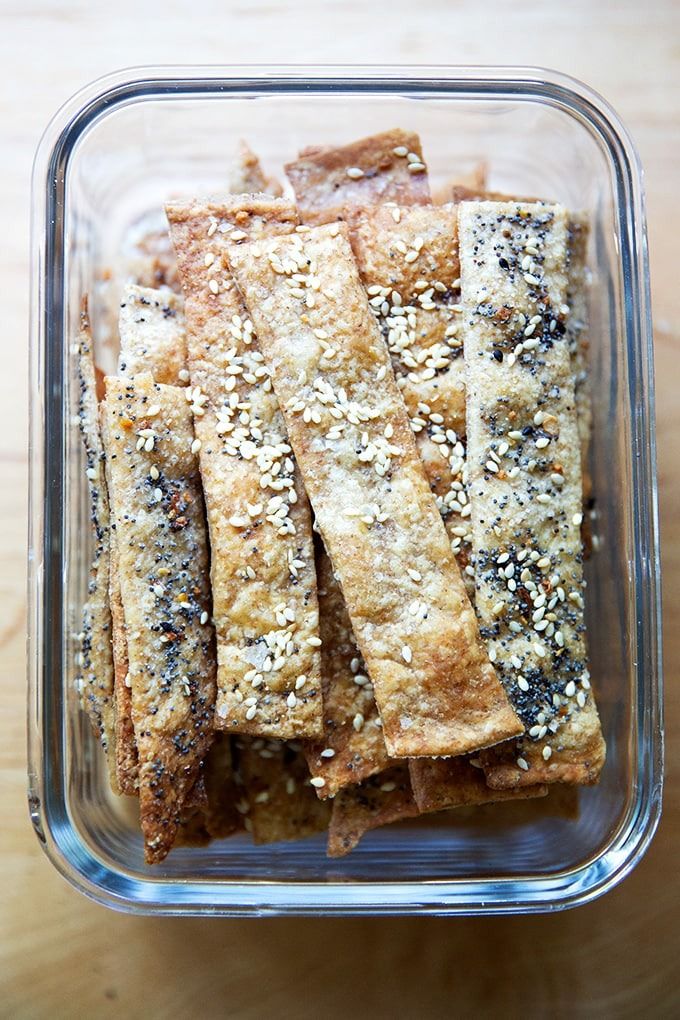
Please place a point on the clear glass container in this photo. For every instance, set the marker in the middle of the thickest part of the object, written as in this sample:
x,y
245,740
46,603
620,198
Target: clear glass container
x,y
115,153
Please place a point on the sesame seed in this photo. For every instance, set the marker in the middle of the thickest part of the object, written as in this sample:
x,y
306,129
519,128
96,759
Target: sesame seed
x,y
416,168
406,653
315,642
523,764
291,700
358,721
214,286
577,519
196,446
251,712
354,172
400,150
415,575
317,781
547,753
388,787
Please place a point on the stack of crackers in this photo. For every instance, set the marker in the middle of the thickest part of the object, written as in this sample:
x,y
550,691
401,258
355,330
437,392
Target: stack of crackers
x,y
337,493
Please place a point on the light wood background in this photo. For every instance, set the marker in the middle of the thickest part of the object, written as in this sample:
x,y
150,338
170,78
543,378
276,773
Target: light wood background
x,y
61,956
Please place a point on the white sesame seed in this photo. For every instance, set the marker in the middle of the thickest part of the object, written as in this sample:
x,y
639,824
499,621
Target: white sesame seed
x,y
547,752
542,442
315,642
406,653
358,721
523,764
577,519
317,781
91,474
204,618
154,473
570,689
196,446
214,286
354,172
251,712
291,700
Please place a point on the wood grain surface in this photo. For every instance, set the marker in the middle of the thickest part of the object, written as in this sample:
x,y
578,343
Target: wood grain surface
x,y
61,956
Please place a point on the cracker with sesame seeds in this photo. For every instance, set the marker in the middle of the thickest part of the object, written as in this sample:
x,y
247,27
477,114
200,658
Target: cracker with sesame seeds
x,y
157,505
330,181
262,571
152,335
126,763
380,800
442,783
278,803
408,261
352,747
95,675
525,487
436,690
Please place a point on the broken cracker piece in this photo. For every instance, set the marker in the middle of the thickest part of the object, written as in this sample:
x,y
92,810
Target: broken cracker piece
x,y
442,783
380,800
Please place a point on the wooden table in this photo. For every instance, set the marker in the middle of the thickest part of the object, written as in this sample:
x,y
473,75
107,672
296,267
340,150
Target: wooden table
x,y
61,956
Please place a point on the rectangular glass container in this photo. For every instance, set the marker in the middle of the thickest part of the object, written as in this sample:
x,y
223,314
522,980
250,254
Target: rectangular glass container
x,y
115,153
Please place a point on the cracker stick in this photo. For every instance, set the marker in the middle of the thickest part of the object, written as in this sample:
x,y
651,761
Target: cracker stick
x,y
262,571
388,167
152,335
408,261
157,505
525,487
436,690
278,802
442,783
379,801
352,747
94,681
577,336
126,763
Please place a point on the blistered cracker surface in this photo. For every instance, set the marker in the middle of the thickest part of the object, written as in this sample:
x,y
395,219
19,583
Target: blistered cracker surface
x,y
163,570
324,190
436,690
525,487
262,561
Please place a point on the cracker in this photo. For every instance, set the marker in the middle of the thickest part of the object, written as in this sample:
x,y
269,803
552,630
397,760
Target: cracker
x,y
442,783
436,690
162,548
475,181
221,817
408,261
577,336
278,803
152,335
262,571
326,181
525,487
94,681
379,801
352,747
126,763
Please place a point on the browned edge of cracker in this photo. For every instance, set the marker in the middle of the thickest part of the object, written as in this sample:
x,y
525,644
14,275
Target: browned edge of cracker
x,y
442,783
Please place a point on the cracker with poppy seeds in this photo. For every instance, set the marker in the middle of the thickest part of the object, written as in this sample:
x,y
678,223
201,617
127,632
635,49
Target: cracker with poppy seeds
x,y
380,800
162,543
352,747
436,690
152,335
125,749
94,680
408,261
525,488
278,803
442,783
262,570
330,181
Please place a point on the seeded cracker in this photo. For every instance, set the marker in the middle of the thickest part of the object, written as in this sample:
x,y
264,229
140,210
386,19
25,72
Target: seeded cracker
x,y
379,801
162,547
442,783
263,578
352,747
152,335
94,681
278,802
408,261
436,690
329,182
525,487
126,764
